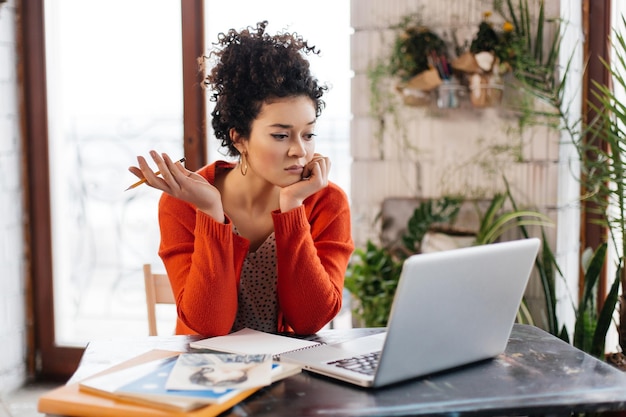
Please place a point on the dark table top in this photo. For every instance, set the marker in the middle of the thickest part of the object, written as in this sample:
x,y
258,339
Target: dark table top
x,y
537,375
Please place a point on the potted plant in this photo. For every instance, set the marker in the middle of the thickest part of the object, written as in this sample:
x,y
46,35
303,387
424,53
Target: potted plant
x,y
372,278
419,61
488,58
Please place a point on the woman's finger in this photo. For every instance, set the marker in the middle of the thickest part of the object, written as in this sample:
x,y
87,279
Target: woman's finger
x,y
168,177
317,160
136,172
146,171
165,164
178,172
181,171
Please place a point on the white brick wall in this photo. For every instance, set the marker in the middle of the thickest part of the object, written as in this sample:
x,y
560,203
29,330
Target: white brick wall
x,y
12,254
444,152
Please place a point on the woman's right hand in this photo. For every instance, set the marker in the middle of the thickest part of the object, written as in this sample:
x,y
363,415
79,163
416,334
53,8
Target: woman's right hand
x,y
181,183
314,178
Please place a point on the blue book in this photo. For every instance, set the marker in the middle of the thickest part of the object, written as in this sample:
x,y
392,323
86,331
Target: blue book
x,y
154,383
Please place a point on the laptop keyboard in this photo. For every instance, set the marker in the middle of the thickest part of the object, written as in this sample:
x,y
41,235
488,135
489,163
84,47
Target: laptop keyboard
x,y
364,364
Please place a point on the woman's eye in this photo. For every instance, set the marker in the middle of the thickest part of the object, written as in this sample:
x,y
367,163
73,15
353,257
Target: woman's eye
x,y
309,136
279,136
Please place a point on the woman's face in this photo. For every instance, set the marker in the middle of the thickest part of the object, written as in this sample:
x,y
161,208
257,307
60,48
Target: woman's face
x,y
282,140
223,375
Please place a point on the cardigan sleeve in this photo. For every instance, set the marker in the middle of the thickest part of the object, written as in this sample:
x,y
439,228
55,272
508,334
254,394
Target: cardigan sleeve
x,y
313,248
203,260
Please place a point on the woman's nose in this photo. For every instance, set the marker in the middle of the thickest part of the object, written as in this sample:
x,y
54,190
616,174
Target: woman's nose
x,y
297,147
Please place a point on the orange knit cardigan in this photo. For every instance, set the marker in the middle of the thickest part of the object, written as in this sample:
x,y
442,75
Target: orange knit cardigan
x,y
203,259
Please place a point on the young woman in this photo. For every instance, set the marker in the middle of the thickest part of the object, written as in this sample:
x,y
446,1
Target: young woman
x,y
263,243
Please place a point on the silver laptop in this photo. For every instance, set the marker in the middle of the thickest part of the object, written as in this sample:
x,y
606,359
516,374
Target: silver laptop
x,y
451,308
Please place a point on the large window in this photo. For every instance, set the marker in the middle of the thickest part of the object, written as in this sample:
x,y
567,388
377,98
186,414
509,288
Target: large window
x,y
114,91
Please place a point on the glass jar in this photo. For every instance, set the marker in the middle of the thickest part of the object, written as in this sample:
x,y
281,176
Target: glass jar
x,y
485,90
449,94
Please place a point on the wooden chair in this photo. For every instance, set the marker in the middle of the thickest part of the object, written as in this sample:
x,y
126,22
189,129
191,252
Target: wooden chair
x,y
158,291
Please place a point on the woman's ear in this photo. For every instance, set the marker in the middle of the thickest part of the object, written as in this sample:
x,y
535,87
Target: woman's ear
x,y
237,140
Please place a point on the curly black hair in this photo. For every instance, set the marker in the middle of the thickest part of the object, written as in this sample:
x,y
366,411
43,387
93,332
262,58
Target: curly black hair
x,y
251,68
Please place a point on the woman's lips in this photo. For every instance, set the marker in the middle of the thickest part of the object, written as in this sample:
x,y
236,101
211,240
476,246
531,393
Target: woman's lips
x,y
295,169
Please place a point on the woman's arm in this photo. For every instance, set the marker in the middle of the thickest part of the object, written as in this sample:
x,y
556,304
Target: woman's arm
x,y
203,260
313,246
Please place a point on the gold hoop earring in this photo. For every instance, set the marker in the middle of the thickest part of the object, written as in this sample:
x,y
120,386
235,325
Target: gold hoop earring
x,y
243,164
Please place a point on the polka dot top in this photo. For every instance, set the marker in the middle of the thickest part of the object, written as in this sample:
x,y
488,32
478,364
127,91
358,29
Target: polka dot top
x,y
257,298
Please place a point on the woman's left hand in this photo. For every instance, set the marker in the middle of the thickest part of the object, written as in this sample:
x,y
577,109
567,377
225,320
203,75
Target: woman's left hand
x,y
314,178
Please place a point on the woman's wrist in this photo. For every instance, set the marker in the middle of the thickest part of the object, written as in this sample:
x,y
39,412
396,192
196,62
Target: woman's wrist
x,y
216,213
287,202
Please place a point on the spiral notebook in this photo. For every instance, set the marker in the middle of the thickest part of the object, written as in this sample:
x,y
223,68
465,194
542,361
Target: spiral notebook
x,y
451,308
249,341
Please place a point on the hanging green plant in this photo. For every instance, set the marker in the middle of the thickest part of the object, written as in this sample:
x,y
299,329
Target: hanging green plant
x,y
416,50
419,62
493,47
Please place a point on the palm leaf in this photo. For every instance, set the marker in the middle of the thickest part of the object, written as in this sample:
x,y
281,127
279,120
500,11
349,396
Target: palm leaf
x,y
606,317
585,326
546,267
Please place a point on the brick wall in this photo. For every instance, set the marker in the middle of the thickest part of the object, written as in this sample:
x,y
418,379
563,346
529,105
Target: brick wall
x,y
437,152
12,255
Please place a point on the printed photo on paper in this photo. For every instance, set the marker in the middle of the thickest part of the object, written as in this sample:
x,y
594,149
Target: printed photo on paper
x,y
198,371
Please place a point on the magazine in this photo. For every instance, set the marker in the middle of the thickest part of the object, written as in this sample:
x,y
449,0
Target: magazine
x,y
199,371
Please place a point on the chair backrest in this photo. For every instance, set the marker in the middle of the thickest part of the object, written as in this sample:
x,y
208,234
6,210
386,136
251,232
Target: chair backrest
x,y
158,291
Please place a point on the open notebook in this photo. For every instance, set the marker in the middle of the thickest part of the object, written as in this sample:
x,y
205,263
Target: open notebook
x,y
451,308
249,341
